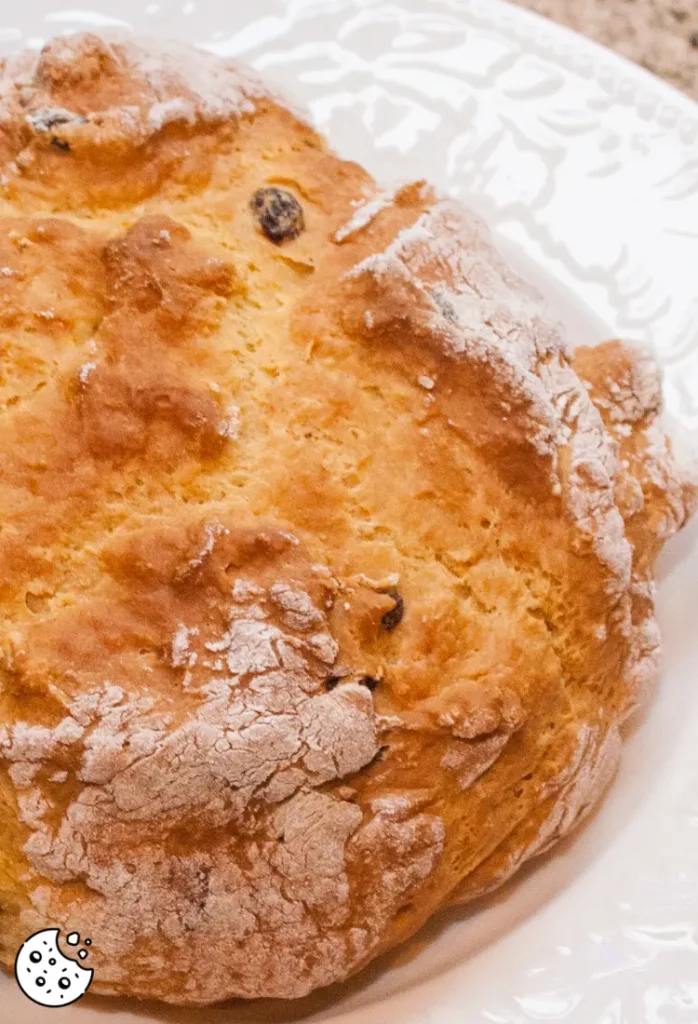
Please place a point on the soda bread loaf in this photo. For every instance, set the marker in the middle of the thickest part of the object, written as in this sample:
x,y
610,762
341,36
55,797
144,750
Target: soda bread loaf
x,y
326,565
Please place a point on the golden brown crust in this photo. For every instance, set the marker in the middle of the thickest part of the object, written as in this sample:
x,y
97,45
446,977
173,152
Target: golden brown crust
x,y
326,565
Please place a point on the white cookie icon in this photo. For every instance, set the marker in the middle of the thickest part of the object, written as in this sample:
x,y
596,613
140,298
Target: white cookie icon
x,y
45,975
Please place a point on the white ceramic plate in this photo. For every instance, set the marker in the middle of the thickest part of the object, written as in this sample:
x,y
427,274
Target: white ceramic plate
x,y
588,169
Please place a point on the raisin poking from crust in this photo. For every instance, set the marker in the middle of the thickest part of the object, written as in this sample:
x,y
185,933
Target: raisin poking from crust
x,y
393,618
332,681
60,144
46,118
279,213
380,755
370,682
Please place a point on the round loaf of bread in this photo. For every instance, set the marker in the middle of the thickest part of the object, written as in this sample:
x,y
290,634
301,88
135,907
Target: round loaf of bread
x,y
326,565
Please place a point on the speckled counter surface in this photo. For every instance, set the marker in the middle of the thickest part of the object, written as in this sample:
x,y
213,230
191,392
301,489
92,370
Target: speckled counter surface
x,y
661,35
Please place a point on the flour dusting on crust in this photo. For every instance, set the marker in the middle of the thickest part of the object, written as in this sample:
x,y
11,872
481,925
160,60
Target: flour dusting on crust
x,y
244,765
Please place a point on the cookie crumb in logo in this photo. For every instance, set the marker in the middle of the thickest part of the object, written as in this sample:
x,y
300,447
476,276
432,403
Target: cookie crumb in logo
x,y
48,977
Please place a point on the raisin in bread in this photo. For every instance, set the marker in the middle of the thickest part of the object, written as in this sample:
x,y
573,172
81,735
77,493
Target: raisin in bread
x,y
326,565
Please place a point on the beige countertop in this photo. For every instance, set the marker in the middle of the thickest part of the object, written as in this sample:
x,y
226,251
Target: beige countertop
x,y
661,35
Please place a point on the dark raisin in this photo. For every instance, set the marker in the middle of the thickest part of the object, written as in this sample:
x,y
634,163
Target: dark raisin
x,y
60,144
393,618
46,118
370,682
278,212
332,681
380,755
694,40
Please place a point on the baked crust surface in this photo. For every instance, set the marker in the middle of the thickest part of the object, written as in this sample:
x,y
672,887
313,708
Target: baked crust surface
x,y
326,565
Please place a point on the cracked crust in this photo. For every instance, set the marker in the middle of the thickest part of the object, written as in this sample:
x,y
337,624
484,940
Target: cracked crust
x,y
327,566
